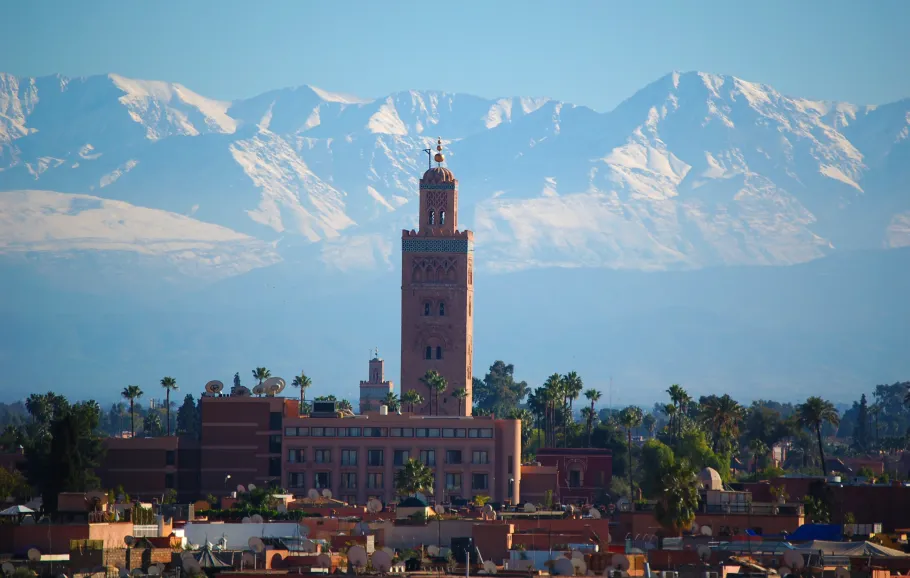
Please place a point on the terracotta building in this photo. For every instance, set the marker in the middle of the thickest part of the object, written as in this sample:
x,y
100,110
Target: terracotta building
x,y
437,294
582,475
375,389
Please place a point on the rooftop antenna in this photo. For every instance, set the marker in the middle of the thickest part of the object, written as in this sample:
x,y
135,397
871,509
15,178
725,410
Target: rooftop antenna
x,y
429,158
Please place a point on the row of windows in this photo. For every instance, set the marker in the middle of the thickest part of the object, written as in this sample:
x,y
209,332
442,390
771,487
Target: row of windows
x,y
377,457
427,309
381,432
428,354
431,217
376,481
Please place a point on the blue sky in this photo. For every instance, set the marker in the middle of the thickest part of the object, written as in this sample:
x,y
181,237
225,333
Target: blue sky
x,y
592,53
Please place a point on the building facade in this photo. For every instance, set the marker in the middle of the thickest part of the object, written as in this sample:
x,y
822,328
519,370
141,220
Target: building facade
x,y
437,296
375,389
582,474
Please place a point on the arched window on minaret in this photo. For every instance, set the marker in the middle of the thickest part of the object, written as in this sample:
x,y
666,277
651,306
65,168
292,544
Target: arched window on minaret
x,y
432,217
438,352
426,308
442,309
442,217
429,353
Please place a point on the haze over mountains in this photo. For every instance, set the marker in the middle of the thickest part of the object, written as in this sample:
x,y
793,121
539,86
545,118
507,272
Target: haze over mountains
x,y
216,236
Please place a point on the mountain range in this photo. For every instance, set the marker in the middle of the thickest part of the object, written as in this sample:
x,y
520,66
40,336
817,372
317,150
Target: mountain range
x,y
124,202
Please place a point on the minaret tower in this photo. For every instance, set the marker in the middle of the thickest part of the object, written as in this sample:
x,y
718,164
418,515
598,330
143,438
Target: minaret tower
x,y
374,390
437,295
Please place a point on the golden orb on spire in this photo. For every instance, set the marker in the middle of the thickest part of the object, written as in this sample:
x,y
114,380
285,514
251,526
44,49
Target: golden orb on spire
x,y
438,157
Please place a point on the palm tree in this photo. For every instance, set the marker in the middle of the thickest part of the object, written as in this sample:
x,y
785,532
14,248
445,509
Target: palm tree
x,y
554,390
678,501
391,401
261,374
593,396
813,414
152,424
411,398
343,404
672,415
649,422
132,393
414,477
573,387
536,405
681,400
460,394
303,382
630,418
758,449
169,384
589,416
436,384
721,416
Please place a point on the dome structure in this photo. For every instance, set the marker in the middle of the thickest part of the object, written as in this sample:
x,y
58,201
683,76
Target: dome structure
x,y
438,176
710,479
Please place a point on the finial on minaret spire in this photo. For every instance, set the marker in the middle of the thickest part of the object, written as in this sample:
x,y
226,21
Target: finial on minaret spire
x,y
439,158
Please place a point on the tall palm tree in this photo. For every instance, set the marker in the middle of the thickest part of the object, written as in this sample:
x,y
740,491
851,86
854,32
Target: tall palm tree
x,y
630,418
680,398
678,501
813,414
414,477
303,382
461,394
589,416
436,384
132,393
593,396
649,422
722,416
261,374
409,398
672,416
343,404
554,389
391,401
573,386
169,384
536,405
758,449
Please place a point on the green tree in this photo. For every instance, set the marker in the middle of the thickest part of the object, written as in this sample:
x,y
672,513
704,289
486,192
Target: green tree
x,y
411,398
169,384
630,418
391,401
593,396
13,483
861,429
187,423
414,477
498,392
721,416
152,424
436,384
678,502
344,405
261,374
759,449
132,393
303,382
572,388
554,396
460,394
813,414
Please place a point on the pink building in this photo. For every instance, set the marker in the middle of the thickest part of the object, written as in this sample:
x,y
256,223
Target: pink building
x,y
374,390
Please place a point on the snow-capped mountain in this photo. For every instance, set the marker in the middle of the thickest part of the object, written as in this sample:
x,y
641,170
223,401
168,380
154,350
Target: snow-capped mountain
x,y
694,170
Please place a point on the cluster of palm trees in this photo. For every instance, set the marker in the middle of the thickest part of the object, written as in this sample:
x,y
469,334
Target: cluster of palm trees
x,y
552,408
436,384
133,392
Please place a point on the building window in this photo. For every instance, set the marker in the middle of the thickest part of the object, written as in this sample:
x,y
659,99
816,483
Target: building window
x,y
350,499
169,458
400,457
349,481
295,480
480,457
275,467
290,432
168,481
297,456
453,482
429,353
442,217
275,444
574,479
428,457
453,456
275,421
480,481
349,457
401,432
374,432
322,480
323,456
480,433
442,309
374,458
432,217
353,432
426,308
438,352
374,481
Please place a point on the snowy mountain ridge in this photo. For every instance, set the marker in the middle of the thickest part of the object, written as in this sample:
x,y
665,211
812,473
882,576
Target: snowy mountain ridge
x,y
695,170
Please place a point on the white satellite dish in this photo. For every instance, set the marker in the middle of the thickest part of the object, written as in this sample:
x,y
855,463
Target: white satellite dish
x,y
214,387
251,487
841,572
794,559
620,562
389,551
563,567
576,555
313,494
490,567
706,530
304,530
129,541
308,546
530,508
325,561
439,509
273,386
246,520
704,552
256,519
256,544
241,489
357,556
433,550
327,494
8,568
784,571
381,561
34,554
258,389
579,565
595,513
374,506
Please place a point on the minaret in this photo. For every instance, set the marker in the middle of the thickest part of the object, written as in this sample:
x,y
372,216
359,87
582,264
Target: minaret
x,y
374,389
437,295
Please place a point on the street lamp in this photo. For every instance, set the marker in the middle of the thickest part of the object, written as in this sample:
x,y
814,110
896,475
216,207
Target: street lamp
x,y
226,478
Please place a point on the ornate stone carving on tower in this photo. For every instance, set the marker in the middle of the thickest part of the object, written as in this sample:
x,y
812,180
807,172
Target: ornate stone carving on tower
x,y
437,295
374,390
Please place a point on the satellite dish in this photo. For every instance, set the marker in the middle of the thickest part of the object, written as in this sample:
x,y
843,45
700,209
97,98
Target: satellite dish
x,y
137,572
246,520
381,561
259,389
308,546
374,506
327,494
794,559
241,489
251,487
325,561
530,508
706,530
361,529
488,509
389,551
841,572
313,494
704,552
34,554
620,562
256,519
8,568
439,509
124,573
154,571
214,387
563,567
304,530
578,564
595,513
490,567
241,391
785,571
357,556
256,544
160,567
129,541
273,386
433,550
576,555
